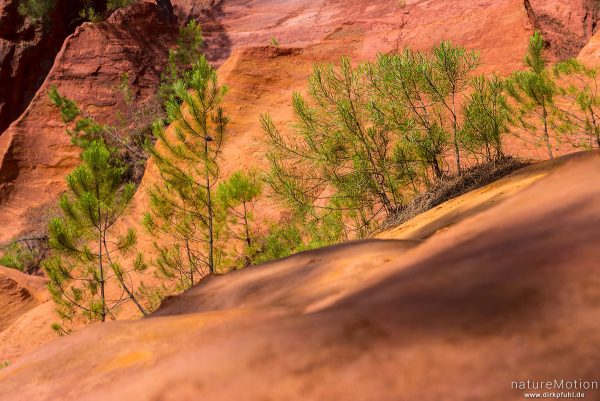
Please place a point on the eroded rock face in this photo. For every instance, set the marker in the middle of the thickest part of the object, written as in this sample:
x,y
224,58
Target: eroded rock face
x,y
35,152
238,33
590,54
27,52
566,25
27,313
19,293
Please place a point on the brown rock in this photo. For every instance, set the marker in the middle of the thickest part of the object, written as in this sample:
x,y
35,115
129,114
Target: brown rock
x,y
30,330
27,313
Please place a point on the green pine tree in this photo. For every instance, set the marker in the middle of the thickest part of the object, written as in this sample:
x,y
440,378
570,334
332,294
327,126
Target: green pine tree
x,y
88,255
534,91
85,129
486,117
237,197
581,121
340,154
126,141
183,214
417,117
445,76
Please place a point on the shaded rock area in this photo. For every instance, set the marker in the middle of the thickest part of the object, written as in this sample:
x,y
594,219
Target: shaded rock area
x,y
27,51
19,293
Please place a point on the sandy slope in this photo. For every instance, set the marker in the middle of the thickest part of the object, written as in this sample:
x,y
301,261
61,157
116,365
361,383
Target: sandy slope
x,y
33,328
474,202
509,293
26,313
29,331
19,293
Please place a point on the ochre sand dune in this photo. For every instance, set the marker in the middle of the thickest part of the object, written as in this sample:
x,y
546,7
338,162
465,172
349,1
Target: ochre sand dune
x,y
509,293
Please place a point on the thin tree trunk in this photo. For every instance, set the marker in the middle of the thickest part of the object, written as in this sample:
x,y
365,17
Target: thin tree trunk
x,y
247,229
455,137
100,264
595,127
211,265
192,265
547,135
436,168
123,284
135,301
101,267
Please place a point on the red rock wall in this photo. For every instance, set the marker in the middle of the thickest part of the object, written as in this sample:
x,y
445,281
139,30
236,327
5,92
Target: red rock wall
x,y
35,152
27,52
566,25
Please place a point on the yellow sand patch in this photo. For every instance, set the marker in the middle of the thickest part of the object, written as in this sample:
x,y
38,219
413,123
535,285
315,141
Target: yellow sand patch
x,y
126,360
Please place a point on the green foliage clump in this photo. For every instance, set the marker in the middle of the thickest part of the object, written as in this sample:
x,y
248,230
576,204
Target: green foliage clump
x,y
13,257
89,13
25,254
371,136
86,129
446,75
112,5
186,54
409,109
69,110
36,10
581,122
87,252
486,118
339,143
292,235
281,240
236,198
126,140
4,364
